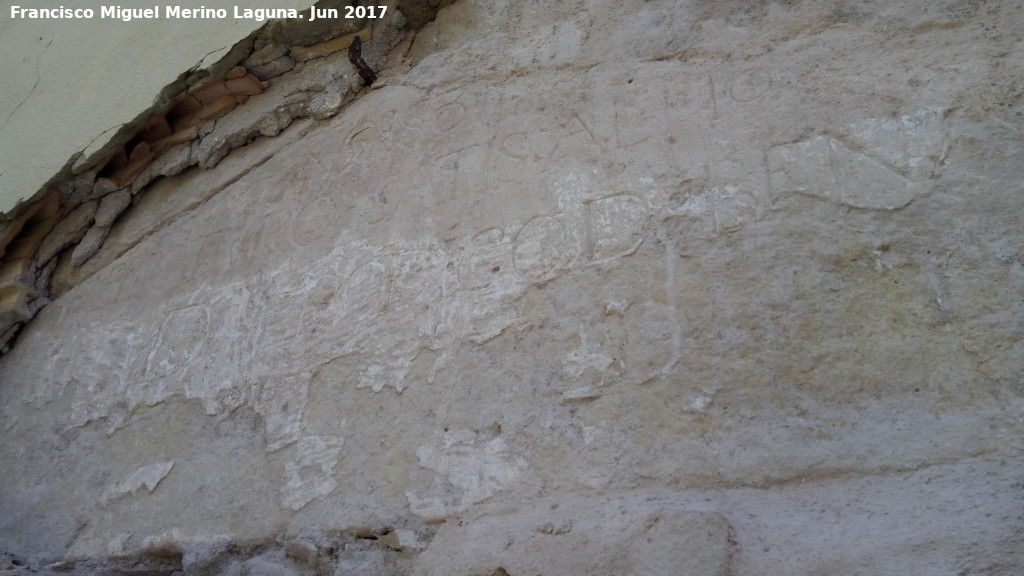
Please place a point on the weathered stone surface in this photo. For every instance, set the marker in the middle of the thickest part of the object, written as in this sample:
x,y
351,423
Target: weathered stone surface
x,y
168,200
65,274
111,206
66,232
583,536
595,287
266,55
273,69
174,134
318,89
302,32
89,245
302,552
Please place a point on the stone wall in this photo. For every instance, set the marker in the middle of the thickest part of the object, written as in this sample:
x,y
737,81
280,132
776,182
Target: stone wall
x,y
287,70
581,287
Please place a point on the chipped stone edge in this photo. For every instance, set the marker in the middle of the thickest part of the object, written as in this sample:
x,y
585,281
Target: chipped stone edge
x,y
25,279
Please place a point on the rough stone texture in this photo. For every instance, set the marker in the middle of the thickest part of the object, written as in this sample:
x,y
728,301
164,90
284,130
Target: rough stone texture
x,y
89,245
67,232
594,287
574,535
41,129
196,127
170,199
304,33
270,61
110,207
274,68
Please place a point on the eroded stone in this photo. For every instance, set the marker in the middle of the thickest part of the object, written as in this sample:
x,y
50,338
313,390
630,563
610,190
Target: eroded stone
x,y
88,245
110,207
576,535
589,300
67,232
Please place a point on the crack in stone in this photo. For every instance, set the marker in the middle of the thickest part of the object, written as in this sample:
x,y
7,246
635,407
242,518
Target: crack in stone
x,y
30,92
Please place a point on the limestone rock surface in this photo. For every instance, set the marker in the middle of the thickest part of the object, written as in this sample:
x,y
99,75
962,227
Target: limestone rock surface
x,y
593,287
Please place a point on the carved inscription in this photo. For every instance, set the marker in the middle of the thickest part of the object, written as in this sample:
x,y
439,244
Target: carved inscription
x,y
483,259
406,298
539,248
392,268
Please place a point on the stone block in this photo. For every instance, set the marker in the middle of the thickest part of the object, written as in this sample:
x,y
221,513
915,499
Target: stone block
x,y
110,208
68,231
89,245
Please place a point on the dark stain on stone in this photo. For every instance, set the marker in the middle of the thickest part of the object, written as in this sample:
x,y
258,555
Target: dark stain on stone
x,y
356,58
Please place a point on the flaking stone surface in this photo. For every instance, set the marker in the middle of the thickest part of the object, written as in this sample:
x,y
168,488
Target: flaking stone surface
x,y
617,277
